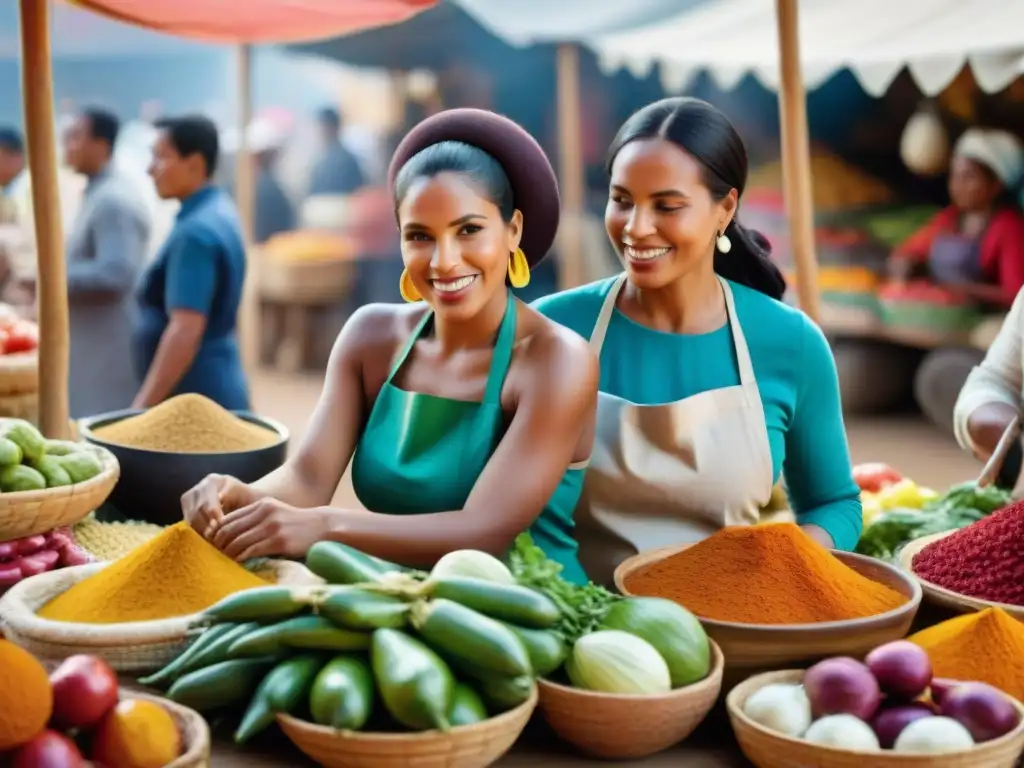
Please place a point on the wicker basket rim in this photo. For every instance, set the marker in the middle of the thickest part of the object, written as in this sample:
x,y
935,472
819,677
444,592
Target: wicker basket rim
x,y
423,736
22,617
748,688
111,471
712,679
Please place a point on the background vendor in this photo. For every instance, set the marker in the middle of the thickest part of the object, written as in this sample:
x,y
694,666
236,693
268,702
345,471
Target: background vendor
x,y
467,415
976,245
711,387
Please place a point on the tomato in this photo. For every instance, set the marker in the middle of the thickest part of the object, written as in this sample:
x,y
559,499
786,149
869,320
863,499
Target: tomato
x,y
23,336
874,477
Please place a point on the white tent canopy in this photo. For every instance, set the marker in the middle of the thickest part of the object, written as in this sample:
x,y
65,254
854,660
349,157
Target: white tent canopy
x,y
876,39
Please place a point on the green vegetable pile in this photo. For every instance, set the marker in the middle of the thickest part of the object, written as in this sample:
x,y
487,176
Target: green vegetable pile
x,y
30,462
960,506
380,648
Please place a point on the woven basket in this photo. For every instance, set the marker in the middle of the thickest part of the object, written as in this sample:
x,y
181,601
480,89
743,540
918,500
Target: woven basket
x,y
305,282
29,512
24,405
19,373
467,746
768,749
137,647
620,727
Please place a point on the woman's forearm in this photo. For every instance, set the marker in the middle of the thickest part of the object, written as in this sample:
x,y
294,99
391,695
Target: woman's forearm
x,y
293,485
419,540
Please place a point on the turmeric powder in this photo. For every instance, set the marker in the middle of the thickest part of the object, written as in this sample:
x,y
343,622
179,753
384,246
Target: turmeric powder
x,y
987,647
188,424
26,698
764,574
177,573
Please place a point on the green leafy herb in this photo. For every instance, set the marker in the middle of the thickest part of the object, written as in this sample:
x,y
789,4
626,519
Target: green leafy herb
x,y
583,607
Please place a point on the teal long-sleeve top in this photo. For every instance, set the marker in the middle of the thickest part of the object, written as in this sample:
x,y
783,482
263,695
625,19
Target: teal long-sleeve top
x,y
795,372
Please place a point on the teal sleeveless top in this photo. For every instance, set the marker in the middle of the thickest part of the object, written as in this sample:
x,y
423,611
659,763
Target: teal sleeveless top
x,y
422,454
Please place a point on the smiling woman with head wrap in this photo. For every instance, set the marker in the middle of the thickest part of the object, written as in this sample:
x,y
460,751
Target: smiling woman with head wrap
x,y
976,245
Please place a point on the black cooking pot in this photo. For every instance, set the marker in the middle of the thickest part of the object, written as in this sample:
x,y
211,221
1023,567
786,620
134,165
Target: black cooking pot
x,y
152,482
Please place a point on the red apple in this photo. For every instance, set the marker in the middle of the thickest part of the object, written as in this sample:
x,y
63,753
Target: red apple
x,y
48,750
84,690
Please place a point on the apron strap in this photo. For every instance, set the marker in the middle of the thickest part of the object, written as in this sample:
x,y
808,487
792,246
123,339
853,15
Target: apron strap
x,y
501,360
743,361
605,315
413,338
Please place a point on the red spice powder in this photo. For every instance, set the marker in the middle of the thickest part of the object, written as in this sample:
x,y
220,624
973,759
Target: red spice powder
x,y
984,560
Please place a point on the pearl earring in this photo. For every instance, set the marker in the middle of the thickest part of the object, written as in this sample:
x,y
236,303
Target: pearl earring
x,y
723,243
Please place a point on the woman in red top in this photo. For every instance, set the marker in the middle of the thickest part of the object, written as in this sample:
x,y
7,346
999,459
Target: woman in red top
x,y
976,245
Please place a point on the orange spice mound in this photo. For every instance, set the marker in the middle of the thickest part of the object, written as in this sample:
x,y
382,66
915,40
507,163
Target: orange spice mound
x,y
764,574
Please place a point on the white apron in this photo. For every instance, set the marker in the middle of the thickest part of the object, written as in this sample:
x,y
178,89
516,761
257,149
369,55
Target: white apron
x,y
672,473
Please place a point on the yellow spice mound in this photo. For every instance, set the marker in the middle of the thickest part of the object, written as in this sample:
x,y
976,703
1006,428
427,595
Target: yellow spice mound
x,y
188,424
177,573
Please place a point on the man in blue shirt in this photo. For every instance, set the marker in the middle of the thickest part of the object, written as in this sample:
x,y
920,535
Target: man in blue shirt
x,y
189,298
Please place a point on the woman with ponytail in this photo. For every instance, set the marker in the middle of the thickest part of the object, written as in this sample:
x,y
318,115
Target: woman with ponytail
x,y
711,388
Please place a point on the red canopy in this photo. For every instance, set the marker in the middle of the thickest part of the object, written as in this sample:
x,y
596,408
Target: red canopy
x,y
256,21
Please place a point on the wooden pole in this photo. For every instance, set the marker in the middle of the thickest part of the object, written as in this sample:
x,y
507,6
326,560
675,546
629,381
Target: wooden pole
x,y
245,197
570,153
51,280
796,157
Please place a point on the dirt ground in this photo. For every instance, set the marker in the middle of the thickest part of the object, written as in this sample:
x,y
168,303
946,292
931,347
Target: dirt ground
x,y
908,443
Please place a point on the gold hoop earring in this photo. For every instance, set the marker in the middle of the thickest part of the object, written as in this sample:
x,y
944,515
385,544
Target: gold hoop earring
x,y
407,289
518,269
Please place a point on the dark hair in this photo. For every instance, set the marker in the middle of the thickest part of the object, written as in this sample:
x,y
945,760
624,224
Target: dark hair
x,y
329,118
194,135
704,133
10,140
103,125
458,157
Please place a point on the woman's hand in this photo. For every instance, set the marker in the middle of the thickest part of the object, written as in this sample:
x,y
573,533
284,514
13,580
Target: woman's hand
x,y
205,506
270,527
986,427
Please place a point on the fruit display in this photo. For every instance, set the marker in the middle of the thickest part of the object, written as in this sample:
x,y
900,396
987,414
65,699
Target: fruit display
x,y
890,701
30,462
31,555
86,721
897,510
16,333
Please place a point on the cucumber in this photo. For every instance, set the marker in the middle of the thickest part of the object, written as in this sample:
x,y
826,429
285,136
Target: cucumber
x,y
415,685
170,673
337,563
508,602
262,604
282,690
358,609
455,630
546,648
467,707
308,632
342,695
219,650
227,684
504,693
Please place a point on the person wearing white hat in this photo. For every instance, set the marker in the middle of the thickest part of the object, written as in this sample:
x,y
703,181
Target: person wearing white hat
x,y
273,209
976,245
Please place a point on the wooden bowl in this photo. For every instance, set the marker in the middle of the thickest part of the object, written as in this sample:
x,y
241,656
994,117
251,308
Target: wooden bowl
x,y
947,598
758,647
768,749
629,727
467,746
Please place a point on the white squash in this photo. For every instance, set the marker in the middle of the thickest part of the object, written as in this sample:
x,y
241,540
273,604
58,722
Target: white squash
x,y
924,145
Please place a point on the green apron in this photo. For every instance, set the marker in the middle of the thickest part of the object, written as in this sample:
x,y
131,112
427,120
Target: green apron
x,y
421,454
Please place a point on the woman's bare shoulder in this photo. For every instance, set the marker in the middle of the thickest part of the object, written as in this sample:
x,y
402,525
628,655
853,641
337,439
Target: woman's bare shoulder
x,y
558,356
376,328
